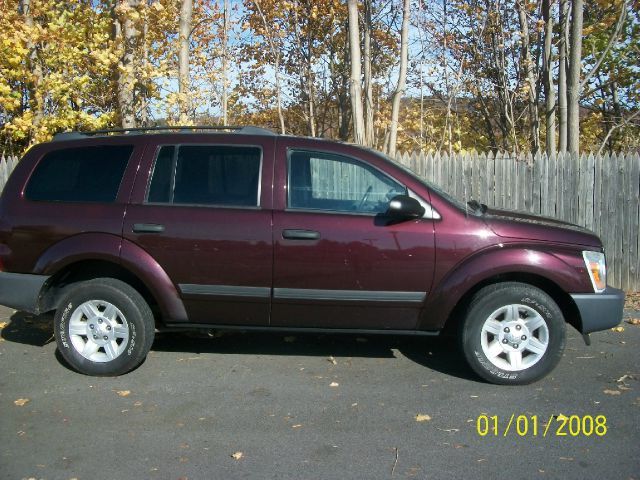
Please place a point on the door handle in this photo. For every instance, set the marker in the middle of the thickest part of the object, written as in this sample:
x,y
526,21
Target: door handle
x,y
295,234
148,228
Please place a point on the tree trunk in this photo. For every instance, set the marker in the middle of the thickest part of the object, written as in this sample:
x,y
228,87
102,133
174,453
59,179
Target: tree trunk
x,y
126,33
275,51
355,87
549,90
36,95
184,38
573,80
532,100
225,65
368,85
402,79
562,75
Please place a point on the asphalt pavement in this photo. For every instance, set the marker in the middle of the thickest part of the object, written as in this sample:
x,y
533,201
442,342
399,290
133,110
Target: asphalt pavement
x,y
275,406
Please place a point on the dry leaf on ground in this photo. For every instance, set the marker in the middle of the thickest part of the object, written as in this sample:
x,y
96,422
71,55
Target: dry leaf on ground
x,y
21,402
612,392
633,321
421,417
334,384
237,455
618,329
332,360
123,393
3,324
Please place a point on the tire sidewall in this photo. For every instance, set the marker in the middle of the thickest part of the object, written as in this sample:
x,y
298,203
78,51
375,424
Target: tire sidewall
x,y
489,303
134,349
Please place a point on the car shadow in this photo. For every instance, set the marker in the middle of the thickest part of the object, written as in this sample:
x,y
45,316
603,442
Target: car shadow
x,y
436,353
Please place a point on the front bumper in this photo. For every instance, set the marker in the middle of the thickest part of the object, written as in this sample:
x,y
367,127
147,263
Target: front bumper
x,y
21,290
600,311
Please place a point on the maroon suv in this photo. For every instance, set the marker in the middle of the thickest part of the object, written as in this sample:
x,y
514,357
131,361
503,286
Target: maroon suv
x,y
125,234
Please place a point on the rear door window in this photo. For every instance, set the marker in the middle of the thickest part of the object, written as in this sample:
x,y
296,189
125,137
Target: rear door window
x,y
206,175
84,174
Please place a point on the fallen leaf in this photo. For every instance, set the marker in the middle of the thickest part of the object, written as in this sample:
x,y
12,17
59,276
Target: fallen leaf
x,y
334,384
633,321
421,417
623,378
618,329
3,324
21,402
123,393
612,392
296,426
137,404
332,360
237,455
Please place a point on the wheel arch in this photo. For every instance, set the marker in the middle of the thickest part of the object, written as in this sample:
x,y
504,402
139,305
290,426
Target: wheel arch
x,y
564,301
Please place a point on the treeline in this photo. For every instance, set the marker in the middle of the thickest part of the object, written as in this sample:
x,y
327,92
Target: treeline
x,y
452,75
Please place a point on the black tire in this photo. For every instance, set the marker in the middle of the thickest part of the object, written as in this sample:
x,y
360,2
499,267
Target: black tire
x,y
500,317
118,315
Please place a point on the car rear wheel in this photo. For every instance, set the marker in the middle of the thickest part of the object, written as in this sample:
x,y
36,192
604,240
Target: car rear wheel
x,y
103,327
513,334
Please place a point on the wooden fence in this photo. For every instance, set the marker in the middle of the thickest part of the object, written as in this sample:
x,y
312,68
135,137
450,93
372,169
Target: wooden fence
x,y
601,193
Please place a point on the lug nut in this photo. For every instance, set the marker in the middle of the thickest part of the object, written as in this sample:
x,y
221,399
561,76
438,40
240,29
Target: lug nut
x,y
92,326
99,320
523,337
95,337
504,340
515,345
518,327
105,337
108,327
506,330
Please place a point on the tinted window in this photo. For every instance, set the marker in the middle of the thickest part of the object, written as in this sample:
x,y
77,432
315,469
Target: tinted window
x,y
88,174
206,175
321,181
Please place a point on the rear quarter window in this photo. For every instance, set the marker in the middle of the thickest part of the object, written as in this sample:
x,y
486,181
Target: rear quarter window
x,y
84,174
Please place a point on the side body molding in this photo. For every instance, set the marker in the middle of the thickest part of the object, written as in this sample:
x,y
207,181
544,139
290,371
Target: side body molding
x,y
112,248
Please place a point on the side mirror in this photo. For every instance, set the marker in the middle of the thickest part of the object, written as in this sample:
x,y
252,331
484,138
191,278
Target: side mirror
x,y
404,207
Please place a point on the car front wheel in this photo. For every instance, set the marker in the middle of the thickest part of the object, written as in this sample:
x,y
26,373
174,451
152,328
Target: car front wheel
x,y
103,327
513,333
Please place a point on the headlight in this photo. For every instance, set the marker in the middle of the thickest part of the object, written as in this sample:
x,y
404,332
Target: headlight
x,y
597,269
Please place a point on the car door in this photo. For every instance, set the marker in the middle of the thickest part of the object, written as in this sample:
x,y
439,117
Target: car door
x,y
202,209
338,263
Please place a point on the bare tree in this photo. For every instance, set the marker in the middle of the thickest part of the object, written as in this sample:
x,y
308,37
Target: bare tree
x,y
547,72
369,134
573,78
530,78
402,79
562,74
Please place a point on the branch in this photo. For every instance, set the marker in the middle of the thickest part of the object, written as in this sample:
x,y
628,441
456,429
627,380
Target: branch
x,y
612,40
625,122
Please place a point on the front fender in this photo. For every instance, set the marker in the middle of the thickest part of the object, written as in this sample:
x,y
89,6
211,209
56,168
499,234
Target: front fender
x,y
563,268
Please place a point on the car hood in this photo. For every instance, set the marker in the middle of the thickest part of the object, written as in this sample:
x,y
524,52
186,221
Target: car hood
x,y
522,225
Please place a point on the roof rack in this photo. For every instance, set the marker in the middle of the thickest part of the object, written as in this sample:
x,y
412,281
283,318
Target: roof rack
x,y
246,130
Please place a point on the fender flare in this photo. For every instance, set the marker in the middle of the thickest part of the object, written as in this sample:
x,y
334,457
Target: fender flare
x,y
128,255
487,264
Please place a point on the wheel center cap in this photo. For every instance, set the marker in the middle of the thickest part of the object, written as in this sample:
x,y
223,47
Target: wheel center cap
x,y
514,335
